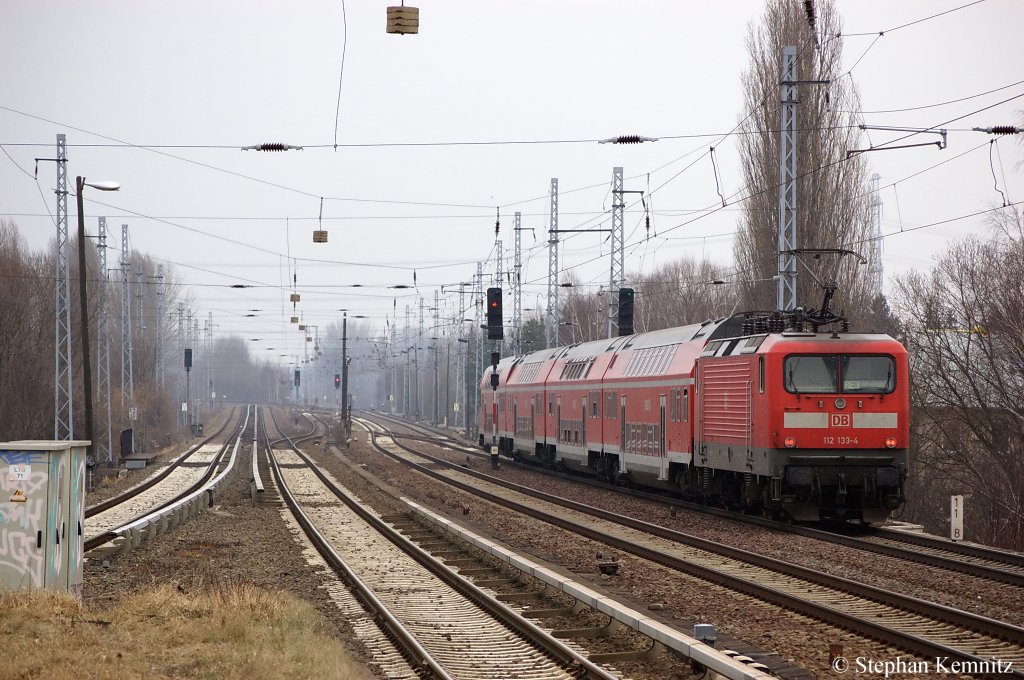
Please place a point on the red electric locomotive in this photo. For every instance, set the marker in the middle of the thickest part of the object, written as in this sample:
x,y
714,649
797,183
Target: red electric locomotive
x,y
750,411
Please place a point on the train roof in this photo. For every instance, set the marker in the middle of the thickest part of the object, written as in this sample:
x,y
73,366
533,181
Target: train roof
x,y
665,336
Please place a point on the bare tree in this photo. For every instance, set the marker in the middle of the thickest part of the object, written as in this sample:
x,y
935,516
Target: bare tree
x,y
964,328
26,339
682,292
832,199
677,293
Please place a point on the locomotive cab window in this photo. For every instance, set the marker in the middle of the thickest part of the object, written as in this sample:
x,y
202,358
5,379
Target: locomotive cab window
x,y
870,374
834,373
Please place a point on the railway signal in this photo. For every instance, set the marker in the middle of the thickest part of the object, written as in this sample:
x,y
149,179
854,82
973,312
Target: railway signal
x,y
337,381
626,311
495,326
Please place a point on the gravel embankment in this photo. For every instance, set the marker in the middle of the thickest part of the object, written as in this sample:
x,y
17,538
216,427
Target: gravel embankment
x,y
977,595
233,542
239,542
686,600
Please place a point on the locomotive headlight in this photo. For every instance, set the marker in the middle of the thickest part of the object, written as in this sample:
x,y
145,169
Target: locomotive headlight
x,y
890,442
840,403
790,442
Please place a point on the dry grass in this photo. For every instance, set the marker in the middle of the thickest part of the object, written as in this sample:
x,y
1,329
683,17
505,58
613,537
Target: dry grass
x,y
237,632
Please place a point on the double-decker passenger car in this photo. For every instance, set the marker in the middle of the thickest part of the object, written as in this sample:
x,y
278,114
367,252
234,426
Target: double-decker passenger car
x,y
737,411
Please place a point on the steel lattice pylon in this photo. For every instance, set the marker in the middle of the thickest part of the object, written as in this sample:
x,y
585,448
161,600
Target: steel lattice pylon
x,y
104,451
875,268
478,301
63,412
183,397
208,351
127,382
419,381
160,326
517,290
498,271
460,417
786,291
617,274
437,345
551,325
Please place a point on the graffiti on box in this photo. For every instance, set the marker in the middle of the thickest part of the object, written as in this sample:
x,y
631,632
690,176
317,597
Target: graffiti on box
x,y
24,478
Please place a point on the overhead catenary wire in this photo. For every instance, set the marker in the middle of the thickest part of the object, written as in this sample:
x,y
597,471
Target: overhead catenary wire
x,y
341,72
326,262
916,21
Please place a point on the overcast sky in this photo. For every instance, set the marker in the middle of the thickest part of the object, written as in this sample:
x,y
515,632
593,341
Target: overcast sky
x,y
206,78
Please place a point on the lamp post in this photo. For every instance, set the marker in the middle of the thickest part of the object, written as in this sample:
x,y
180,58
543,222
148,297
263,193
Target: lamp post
x,y
83,296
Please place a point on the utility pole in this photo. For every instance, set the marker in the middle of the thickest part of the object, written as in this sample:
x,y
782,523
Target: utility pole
x,y
63,411
195,343
182,415
345,414
437,350
138,425
517,289
461,358
127,376
551,325
875,268
478,300
160,326
208,345
419,383
103,439
188,388
617,271
786,291
616,275
140,325
408,377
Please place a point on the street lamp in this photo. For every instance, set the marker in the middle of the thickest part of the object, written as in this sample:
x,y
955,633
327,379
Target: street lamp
x,y
83,296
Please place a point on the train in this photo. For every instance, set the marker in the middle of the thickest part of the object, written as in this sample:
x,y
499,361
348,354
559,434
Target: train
x,y
768,413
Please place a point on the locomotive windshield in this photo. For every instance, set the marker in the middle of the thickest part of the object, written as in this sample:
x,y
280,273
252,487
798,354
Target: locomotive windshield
x,y
834,373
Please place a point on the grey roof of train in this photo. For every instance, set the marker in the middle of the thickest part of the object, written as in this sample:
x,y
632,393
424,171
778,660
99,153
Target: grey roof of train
x,y
666,336
585,350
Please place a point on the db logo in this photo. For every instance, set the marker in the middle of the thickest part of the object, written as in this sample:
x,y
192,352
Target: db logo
x,y
842,420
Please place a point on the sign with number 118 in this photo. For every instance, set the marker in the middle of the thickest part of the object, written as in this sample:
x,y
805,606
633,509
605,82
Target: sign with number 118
x,y
956,518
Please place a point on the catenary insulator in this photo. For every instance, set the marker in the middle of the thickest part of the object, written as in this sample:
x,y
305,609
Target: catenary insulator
x,y
1000,130
809,12
627,139
272,146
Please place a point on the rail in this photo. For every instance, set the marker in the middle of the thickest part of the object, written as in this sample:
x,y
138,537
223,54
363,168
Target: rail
x,y
256,489
829,614
688,647
163,520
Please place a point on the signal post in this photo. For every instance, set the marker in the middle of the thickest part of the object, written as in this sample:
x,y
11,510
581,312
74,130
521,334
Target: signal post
x,y
496,332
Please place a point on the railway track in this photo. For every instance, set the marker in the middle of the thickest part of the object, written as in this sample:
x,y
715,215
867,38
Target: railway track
x,y
183,476
920,627
446,626
965,558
